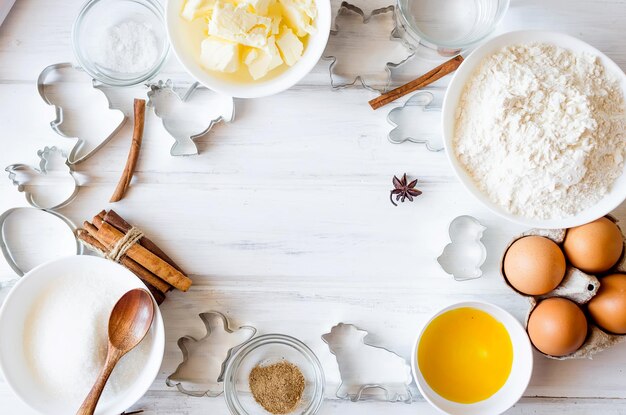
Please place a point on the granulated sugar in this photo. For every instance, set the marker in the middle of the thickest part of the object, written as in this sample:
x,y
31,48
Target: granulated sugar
x,y
541,130
129,47
65,339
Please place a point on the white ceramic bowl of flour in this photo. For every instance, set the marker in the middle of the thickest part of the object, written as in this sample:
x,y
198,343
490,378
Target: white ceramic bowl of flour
x,y
47,385
617,193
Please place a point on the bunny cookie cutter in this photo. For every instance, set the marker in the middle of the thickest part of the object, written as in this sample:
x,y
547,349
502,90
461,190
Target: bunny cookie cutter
x,y
413,121
118,118
368,372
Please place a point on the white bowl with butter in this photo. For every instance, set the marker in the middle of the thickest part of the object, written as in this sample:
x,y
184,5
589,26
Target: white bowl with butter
x,y
251,49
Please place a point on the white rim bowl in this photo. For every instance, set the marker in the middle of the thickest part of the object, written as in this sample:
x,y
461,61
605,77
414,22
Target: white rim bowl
x,y
190,59
16,308
610,201
516,383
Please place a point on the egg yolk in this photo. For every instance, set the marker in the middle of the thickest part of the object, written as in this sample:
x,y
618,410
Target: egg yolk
x,y
465,355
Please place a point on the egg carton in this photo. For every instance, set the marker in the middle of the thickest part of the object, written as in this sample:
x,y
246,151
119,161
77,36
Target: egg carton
x,y
578,287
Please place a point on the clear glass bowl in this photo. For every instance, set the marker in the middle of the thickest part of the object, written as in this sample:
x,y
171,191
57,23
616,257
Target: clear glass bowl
x,y
265,350
90,29
449,26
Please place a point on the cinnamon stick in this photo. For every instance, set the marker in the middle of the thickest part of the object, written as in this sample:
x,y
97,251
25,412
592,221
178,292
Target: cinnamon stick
x,y
112,218
109,236
87,235
140,272
426,79
133,154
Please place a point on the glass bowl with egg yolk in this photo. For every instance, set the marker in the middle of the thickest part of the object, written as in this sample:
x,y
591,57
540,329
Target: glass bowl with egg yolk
x,y
472,358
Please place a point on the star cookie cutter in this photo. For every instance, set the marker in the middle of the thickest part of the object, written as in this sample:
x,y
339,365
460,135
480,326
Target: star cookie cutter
x,y
111,117
349,72
174,111
204,360
465,254
368,372
417,121
6,235
36,183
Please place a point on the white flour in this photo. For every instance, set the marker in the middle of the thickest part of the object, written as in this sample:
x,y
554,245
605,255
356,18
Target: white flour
x,y
541,130
129,47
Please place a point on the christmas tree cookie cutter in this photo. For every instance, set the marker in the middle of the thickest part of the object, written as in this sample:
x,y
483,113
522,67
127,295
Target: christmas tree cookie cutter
x,y
385,48
464,256
368,372
202,369
174,110
106,114
418,120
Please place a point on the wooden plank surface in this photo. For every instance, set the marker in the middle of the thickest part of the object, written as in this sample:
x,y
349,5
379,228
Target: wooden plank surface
x,y
284,221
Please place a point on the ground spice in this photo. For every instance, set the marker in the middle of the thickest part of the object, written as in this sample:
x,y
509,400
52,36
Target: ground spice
x,y
277,387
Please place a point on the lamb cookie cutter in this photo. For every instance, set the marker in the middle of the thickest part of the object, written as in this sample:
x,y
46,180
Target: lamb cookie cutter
x,y
465,254
173,110
415,119
201,371
368,372
394,56
116,117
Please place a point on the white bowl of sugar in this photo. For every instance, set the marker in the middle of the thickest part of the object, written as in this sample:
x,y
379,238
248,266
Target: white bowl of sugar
x,y
534,127
54,337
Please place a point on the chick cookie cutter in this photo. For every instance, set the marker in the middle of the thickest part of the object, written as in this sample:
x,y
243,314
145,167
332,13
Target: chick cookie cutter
x,y
464,256
117,116
359,78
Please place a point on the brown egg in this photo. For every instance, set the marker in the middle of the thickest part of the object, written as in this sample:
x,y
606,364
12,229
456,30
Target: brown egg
x,y
594,247
534,265
608,307
557,327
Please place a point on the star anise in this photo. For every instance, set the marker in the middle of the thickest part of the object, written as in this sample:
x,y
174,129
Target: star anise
x,y
403,190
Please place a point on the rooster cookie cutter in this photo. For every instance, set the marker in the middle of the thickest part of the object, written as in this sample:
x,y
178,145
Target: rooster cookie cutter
x,y
404,52
464,256
118,118
185,133
368,372
411,124
201,371
35,183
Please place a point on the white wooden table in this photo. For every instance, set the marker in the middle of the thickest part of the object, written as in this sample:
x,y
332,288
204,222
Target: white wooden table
x,y
284,220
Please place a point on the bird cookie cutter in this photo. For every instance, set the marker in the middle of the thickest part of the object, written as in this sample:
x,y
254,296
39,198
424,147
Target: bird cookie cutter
x,y
171,108
115,116
202,369
411,121
383,19
465,254
368,372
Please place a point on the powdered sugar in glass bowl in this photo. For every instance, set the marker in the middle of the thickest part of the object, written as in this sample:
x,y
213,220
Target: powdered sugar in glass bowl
x,y
120,42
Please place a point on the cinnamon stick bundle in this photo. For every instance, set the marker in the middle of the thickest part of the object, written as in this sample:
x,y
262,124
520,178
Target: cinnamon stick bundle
x,y
143,257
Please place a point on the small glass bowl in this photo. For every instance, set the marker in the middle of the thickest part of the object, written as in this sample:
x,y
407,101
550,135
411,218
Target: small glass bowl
x,y
449,26
266,350
98,16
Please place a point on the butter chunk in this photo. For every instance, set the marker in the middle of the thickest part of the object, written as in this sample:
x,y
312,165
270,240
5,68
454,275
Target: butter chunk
x,y
240,26
290,46
258,6
261,61
300,15
219,55
194,9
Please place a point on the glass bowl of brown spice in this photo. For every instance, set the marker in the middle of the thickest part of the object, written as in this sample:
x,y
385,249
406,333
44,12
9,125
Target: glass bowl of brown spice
x,y
275,374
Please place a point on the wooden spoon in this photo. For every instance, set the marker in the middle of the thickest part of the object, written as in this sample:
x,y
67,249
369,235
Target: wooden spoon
x,y
129,323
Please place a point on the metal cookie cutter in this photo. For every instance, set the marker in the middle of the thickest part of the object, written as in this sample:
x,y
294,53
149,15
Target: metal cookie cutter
x,y
465,254
418,121
178,117
367,371
8,235
54,173
381,48
110,117
204,360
